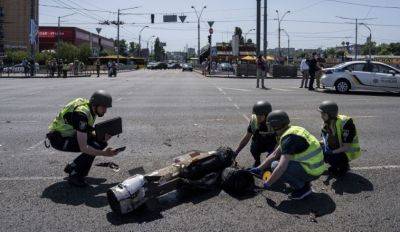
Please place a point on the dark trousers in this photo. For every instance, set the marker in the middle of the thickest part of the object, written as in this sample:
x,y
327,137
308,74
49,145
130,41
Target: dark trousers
x,y
256,148
312,78
339,163
81,164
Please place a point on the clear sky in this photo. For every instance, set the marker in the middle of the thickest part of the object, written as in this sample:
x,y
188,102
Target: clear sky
x,y
311,24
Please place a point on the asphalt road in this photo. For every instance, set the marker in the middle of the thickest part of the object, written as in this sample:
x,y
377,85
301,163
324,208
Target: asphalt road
x,y
166,113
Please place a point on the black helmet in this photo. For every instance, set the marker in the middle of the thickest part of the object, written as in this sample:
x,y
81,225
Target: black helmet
x,y
101,98
330,108
262,108
278,119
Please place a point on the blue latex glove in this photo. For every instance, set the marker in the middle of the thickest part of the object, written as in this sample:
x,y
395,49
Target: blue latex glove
x,y
255,171
266,185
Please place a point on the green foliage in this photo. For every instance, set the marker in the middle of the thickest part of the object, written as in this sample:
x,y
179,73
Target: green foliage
x,y
84,53
239,32
67,52
123,47
15,57
159,52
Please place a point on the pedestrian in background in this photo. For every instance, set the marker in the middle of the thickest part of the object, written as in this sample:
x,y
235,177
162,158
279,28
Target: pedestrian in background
x,y
304,71
312,69
321,64
98,67
261,68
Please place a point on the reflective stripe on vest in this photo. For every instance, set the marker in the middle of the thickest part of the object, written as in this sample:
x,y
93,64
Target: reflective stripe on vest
x,y
254,124
312,159
354,151
78,105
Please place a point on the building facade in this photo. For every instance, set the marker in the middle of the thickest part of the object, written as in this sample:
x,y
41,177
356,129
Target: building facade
x,y
48,38
15,17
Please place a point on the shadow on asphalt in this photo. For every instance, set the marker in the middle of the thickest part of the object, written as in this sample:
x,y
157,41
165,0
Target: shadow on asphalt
x,y
63,193
366,93
153,209
352,183
317,204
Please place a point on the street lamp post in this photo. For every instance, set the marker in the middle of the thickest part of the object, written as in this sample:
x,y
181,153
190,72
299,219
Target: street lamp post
x,y
245,35
198,29
370,38
288,44
140,38
279,29
98,29
59,31
153,36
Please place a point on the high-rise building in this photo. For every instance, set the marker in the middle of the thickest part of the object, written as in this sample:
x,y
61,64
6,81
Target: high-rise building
x,y
15,16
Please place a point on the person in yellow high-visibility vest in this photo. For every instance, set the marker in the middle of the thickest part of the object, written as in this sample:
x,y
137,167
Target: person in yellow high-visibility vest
x,y
262,137
73,131
340,139
299,153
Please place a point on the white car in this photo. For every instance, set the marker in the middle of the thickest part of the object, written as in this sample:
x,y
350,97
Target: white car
x,y
362,75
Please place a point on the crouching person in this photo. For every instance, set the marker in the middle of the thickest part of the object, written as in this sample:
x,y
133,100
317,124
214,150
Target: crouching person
x,y
340,139
298,160
73,131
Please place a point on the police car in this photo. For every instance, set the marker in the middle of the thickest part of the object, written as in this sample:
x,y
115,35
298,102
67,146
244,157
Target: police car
x,y
362,75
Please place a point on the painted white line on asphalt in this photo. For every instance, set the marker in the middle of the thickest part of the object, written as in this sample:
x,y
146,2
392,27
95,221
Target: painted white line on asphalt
x,y
36,145
284,90
236,106
31,178
229,99
377,167
244,90
247,118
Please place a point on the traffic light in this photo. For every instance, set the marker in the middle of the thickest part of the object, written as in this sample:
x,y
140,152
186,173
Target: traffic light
x,y
209,39
152,18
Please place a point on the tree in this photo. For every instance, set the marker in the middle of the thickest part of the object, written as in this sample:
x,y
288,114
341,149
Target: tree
x,y
159,51
367,45
394,48
383,49
84,53
68,52
238,31
15,57
249,41
330,52
123,47
134,48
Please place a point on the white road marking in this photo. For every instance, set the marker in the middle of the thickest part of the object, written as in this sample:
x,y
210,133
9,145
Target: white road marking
x,y
236,106
284,90
377,167
247,118
31,178
244,90
61,177
36,145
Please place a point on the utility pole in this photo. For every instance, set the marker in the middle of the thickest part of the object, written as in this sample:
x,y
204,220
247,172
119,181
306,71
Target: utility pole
x,y
369,39
33,44
198,30
59,32
279,30
140,39
118,24
288,45
265,27
98,29
356,19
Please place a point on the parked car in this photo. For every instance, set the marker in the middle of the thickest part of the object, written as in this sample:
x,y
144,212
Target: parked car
x,y
226,67
151,65
173,66
187,67
361,75
160,65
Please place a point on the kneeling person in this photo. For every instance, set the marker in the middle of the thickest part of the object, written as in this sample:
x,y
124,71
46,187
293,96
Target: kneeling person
x,y
340,139
263,138
72,130
299,153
